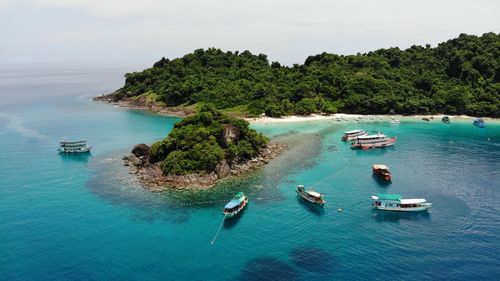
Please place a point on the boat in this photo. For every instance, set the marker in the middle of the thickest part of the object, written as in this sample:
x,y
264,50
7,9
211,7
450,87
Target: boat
x,y
382,171
394,122
446,119
479,123
426,119
394,202
236,205
373,141
310,196
351,135
74,147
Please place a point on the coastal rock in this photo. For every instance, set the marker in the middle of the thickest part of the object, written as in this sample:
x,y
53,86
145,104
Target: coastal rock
x,y
223,169
231,133
134,160
141,149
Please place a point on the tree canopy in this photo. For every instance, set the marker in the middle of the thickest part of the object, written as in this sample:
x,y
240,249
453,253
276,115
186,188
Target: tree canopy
x,y
460,76
202,140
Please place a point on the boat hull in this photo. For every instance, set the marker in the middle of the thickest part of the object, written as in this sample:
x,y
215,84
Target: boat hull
x,y
386,143
395,209
83,150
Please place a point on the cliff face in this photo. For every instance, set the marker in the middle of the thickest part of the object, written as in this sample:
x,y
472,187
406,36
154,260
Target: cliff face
x,y
201,149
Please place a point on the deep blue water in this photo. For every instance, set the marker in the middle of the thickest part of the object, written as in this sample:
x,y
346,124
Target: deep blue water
x,y
86,218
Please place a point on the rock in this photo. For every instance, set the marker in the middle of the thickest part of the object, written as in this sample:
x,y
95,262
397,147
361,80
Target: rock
x,y
223,169
125,157
135,160
141,150
231,133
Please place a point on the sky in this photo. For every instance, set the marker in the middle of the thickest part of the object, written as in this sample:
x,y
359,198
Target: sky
x,y
122,32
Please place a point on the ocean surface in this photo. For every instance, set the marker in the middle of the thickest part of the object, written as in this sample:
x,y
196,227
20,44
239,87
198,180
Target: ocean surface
x,y
85,218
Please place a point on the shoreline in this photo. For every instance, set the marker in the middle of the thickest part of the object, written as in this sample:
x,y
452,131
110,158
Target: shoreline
x,y
359,117
140,104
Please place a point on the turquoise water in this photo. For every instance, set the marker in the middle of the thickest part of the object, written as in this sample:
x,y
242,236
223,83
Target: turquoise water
x,y
86,218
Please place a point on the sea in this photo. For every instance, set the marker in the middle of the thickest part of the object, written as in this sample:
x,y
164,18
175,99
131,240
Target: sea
x,y
84,217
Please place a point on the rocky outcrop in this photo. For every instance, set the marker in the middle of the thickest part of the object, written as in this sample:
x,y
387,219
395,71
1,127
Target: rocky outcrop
x,y
152,177
231,134
141,150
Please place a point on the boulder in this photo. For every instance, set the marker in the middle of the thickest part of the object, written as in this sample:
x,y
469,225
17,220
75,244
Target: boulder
x,y
141,150
223,169
231,134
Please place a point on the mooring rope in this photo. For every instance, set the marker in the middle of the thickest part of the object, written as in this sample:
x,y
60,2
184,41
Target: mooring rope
x,y
218,230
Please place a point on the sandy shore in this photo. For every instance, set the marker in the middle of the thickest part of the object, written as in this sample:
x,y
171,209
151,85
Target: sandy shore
x,y
356,117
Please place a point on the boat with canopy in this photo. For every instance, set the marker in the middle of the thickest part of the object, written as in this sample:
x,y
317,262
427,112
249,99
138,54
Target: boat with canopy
x,y
310,196
394,202
236,205
74,147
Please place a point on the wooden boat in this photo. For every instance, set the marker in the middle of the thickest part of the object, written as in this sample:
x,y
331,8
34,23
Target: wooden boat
x,y
373,141
446,119
310,196
382,171
351,135
74,147
394,202
479,123
236,205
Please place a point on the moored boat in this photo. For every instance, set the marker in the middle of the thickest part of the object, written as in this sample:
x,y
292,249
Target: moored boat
x,y
373,141
236,205
74,147
394,122
351,135
426,119
479,123
310,196
382,171
394,202
446,119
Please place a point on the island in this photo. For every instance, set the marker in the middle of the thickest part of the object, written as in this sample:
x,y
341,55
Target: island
x,y
459,76
202,149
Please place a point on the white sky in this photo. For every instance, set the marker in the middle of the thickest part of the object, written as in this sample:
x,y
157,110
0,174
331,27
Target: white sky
x,y
142,31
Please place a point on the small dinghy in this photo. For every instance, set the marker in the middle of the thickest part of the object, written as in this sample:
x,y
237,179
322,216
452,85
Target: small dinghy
x,y
310,196
479,123
446,119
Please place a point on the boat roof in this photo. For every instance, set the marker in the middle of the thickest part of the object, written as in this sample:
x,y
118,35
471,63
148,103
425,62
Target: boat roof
x,y
380,167
233,203
372,136
72,142
412,201
314,193
385,196
353,131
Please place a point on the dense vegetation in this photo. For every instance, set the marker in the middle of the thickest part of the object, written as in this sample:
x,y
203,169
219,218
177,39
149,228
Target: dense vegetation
x,y
460,76
202,140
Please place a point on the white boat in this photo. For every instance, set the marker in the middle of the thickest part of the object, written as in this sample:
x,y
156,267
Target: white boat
x,y
373,141
394,122
394,202
351,135
310,196
74,147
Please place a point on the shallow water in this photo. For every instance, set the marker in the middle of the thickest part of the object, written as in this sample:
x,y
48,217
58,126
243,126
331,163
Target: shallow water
x,y
86,218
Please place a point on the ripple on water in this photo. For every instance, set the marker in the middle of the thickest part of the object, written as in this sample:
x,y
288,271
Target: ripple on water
x,y
314,260
268,268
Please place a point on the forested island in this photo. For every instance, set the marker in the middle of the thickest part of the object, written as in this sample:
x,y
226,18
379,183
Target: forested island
x,y
200,150
459,76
